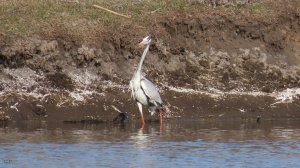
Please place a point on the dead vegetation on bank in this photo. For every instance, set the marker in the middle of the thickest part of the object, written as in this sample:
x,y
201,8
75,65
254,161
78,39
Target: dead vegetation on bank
x,y
79,20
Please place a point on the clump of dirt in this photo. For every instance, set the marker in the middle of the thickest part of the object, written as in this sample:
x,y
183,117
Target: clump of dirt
x,y
219,50
61,81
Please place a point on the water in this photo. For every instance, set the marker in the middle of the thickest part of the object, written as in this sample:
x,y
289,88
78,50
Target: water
x,y
180,143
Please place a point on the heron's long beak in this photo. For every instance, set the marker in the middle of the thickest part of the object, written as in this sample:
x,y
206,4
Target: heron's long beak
x,y
141,44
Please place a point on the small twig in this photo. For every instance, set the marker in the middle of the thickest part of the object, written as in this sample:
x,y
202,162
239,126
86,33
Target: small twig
x,y
15,107
116,108
71,1
113,12
155,10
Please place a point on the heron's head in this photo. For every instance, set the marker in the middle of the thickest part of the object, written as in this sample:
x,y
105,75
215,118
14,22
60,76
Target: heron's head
x,y
145,41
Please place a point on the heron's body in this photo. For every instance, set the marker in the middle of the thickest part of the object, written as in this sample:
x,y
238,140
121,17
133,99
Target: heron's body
x,y
143,90
147,94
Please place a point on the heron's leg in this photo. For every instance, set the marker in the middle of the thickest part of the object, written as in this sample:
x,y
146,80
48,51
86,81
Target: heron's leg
x,y
161,116
161,120
141,111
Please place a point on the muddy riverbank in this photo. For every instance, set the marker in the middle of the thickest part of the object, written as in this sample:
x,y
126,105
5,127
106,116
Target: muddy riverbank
x,y
208,63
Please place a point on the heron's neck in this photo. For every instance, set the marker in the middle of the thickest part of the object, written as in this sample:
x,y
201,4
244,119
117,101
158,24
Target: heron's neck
x,y
138,71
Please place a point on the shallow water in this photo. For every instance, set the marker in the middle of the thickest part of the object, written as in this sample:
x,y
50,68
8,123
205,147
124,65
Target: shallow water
x,y
180,143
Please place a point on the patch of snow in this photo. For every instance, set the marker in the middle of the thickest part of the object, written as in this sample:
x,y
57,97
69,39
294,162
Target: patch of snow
x,y
287,96
83,77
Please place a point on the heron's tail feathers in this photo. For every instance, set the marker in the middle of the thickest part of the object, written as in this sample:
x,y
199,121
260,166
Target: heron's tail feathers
x,y
154,109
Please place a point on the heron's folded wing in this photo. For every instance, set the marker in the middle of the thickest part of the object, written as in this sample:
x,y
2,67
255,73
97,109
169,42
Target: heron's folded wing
x,y
151,91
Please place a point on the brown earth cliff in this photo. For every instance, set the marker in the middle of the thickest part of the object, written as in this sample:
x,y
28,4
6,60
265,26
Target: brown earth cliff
x,y
207,63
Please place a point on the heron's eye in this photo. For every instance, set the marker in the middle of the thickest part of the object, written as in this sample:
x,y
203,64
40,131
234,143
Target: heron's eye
x,y
148,38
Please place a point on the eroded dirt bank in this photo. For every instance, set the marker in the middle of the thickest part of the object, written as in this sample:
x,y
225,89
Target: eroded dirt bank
x,y
214,65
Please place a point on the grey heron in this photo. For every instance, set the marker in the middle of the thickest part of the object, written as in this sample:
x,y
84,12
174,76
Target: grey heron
x,y
143,90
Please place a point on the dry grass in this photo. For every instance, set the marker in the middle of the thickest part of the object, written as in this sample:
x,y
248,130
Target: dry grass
x,y
78,18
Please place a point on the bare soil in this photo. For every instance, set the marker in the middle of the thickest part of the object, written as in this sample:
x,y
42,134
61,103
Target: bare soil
x,y
197,60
